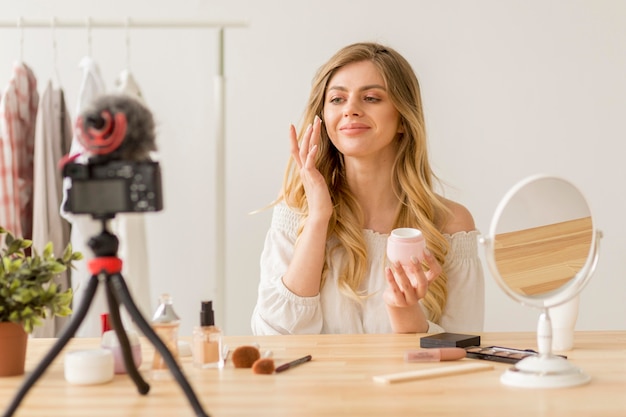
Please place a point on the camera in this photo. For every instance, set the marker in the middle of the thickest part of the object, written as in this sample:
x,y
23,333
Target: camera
x,y
104,189
117,133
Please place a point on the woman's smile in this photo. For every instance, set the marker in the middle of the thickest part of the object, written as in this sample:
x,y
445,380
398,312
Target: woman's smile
x,y
351,129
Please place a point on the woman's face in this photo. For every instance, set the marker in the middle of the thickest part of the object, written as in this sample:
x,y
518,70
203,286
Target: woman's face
x,y
359,117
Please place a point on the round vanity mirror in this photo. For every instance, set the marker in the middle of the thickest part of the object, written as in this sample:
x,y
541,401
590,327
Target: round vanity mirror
x,y
542,248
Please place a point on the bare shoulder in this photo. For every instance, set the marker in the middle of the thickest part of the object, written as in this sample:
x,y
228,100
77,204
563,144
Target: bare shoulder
x,y
459,220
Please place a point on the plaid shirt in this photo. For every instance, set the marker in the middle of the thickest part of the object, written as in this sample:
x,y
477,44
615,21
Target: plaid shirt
x,y
18,113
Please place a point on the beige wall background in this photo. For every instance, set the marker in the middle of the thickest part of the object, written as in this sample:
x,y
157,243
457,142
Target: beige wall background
x,y
510,88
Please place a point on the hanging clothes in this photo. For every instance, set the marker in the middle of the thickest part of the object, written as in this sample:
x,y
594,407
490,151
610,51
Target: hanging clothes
x,y
83,227
53,137
126,83
18,113
131,230
92,85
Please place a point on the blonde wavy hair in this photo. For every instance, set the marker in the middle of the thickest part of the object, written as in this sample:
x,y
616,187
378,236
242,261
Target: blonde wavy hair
x,y
412,176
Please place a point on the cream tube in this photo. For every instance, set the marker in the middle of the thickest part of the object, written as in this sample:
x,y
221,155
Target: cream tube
x,y
434,354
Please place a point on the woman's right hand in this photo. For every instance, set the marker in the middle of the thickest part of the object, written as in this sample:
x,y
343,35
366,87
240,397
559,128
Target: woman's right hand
x,y
304,154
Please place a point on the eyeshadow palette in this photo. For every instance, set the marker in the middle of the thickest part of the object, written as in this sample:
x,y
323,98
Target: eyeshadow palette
x,y
499,353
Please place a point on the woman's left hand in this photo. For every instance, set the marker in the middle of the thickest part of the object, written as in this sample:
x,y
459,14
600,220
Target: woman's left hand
x,y
408,284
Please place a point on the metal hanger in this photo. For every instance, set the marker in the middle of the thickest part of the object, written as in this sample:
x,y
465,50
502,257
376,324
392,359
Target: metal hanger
x,y
128,24
89,43
57,78
20,26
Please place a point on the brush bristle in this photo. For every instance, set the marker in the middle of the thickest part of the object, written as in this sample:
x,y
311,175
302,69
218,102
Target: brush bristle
x,y
245,356
263,366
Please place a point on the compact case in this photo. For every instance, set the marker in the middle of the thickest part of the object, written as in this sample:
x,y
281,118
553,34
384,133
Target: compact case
x,y
449,340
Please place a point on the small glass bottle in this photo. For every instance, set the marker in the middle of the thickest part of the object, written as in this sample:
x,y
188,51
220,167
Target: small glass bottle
x,y
165,323
207,340
405,243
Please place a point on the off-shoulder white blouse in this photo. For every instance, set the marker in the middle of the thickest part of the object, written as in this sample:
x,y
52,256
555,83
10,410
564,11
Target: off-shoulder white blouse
x,y
279,311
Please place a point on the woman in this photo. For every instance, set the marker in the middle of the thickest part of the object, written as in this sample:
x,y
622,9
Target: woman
x,y
359,170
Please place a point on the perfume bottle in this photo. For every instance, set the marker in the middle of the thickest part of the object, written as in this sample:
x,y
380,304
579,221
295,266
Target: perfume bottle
x,y
207,340
405,243
165,323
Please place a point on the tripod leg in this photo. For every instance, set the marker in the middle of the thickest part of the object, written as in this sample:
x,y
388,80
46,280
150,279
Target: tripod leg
x,y
122,293
131,369
64,337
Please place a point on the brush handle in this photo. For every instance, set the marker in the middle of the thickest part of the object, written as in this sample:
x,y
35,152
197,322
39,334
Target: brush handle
x,y
291,364
433,372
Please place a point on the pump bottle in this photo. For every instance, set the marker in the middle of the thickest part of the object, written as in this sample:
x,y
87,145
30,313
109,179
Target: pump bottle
x,y
207,339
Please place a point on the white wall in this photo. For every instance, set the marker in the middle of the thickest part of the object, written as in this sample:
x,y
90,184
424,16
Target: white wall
x,y
510,89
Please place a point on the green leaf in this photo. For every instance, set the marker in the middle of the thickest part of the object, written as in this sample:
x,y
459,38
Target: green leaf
x,y
9,238
57,268
65,297
14,246
48,250
30,323
68,254
15,316
64,311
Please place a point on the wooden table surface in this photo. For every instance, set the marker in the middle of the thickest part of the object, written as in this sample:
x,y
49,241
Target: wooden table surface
x,y
337,382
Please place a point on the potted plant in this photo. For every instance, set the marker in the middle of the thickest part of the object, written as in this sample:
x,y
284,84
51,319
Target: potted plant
x,y
28,294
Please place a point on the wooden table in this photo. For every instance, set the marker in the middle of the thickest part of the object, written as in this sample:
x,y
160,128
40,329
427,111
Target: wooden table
x,y
337,382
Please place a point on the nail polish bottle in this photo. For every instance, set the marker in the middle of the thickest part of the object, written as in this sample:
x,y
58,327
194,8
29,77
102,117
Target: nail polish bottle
x,y
405,243
109,340
165,323
207,340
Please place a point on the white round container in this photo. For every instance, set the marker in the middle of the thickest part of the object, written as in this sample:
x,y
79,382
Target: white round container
x,y
89,367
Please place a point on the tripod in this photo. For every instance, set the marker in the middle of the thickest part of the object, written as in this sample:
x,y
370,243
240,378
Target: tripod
x,y
107,266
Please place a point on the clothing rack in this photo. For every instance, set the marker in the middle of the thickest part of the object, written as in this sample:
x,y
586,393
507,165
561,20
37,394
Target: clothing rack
x,y
219,97
121,23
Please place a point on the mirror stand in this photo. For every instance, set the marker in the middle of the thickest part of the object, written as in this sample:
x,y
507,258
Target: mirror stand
x,y
545,370
542,249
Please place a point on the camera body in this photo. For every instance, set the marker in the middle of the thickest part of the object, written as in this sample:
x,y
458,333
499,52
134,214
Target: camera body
x,y
104,189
